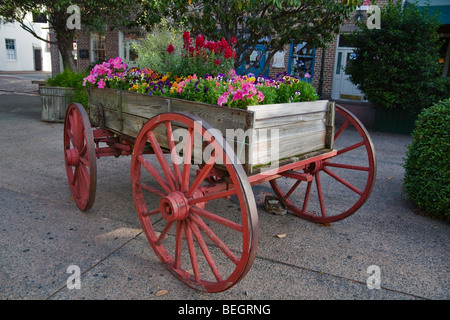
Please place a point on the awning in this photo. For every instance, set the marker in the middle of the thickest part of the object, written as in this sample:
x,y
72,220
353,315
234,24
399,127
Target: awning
x,y
441,7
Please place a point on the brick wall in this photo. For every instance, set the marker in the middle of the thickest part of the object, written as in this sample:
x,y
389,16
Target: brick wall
x,y
328,69
83,40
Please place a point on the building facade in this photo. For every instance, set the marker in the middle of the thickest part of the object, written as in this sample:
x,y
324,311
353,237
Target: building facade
x,y
20,50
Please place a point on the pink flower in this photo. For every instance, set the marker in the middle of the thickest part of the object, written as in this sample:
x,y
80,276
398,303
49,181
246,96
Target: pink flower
x,y
223,99
238,95
307,75
260,96
232,73
101,84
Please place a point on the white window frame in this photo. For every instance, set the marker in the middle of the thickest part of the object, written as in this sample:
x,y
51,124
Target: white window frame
x,y
94,53
11,54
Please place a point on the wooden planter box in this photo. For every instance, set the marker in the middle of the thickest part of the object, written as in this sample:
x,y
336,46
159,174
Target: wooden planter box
x,y
54,102
259,135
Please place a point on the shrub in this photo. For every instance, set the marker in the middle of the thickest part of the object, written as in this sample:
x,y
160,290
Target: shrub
x,y
397,66
71,79
427,165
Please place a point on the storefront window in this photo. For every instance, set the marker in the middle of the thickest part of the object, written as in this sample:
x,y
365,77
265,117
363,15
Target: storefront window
x,y
301,61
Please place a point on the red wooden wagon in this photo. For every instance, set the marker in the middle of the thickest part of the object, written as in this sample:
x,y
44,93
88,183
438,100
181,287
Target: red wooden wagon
x,y
188,159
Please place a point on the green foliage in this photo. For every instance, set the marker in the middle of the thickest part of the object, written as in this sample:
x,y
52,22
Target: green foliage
x,y
274,23
397,66
427,166
152,50
68,78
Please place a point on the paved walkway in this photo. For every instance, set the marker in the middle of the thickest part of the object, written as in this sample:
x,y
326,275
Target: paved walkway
x,y
44,234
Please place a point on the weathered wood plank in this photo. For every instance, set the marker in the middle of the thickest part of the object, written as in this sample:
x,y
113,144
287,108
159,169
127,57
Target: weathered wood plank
x,y
288,109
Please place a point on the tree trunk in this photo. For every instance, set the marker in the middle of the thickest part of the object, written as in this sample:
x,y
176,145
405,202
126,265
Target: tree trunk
x,y
65,45
66,53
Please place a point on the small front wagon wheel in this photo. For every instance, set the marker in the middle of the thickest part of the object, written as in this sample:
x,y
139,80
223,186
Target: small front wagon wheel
x,y
79,156
207,242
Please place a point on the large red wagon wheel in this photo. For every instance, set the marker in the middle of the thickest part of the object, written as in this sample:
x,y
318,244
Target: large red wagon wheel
x,y
204,240
333,189
79,155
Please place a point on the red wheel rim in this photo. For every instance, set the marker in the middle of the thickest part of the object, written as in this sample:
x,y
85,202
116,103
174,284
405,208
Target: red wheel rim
x,y
79,155
340,185
186,219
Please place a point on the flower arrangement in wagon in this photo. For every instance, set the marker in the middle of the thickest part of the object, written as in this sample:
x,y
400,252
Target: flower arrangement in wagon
x,y
203,72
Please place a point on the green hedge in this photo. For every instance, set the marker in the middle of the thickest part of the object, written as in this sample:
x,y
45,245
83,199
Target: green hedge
x,y
427,165
68,78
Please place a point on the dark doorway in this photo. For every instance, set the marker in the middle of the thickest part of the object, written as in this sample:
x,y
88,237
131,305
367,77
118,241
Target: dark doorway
x,y
37,59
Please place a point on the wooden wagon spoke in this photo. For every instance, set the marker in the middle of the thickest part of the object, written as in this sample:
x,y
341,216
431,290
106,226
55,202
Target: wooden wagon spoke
x,y
205,250
151,169
293,188
151,189
164,233
214,238
213,217
346,166
202,175
187,160
150,213
191,249
319,192
173,154
213,196
354,146
307,193
341,129
162,160
341,180
178,243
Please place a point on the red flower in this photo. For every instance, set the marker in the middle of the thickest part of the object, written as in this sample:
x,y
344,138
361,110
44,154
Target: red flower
x,y
217,61
228,53
199,41
211,46
223,44
170,49
233,41
187,39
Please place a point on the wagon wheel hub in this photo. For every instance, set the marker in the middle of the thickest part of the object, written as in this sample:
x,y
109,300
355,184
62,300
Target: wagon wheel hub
x,y
73,157
174,206
314,167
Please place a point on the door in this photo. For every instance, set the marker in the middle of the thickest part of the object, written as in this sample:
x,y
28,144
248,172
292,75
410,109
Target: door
x,y
343,88
37,59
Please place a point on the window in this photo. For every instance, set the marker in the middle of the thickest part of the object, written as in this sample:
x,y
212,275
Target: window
x,y
98,47
39,17
302,60
10,49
